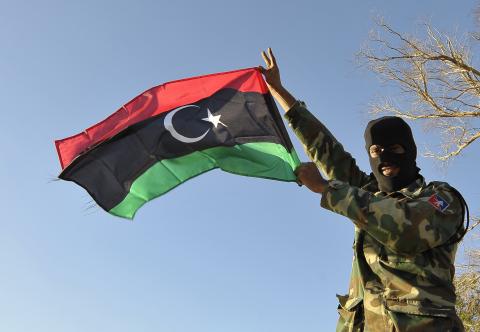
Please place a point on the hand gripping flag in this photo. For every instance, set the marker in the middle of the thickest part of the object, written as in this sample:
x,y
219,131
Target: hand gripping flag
x,y
176,131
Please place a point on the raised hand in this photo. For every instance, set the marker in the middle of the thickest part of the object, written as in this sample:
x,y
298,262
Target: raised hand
x,y
272,77
272,72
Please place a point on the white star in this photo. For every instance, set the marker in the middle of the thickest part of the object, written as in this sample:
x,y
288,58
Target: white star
x,y
214,119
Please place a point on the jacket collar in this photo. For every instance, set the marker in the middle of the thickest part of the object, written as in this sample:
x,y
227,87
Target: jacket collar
x,y
410,191
414,188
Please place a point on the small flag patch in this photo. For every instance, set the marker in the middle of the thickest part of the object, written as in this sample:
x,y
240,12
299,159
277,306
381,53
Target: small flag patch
x,y
438,202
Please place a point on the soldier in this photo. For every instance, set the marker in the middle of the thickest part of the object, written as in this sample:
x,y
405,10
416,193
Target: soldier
x,y
406,231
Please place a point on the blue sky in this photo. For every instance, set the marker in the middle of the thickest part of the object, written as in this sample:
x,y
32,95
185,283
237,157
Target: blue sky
x,y
221,252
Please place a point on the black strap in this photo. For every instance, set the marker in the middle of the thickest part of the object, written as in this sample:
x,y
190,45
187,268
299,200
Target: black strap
x,y
455,239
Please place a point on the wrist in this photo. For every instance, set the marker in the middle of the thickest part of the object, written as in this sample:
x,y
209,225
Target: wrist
x,y
318,187
321,186
283,97
276,88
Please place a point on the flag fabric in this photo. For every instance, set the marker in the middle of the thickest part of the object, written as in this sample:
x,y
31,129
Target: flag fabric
x,y
176,131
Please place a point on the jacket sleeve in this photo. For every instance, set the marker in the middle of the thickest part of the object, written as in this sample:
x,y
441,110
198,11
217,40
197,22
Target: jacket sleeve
x,y
322,147
405,225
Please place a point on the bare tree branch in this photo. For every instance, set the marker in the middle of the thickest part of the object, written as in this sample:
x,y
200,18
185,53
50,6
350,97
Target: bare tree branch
x,y
467,287
437,72
475,223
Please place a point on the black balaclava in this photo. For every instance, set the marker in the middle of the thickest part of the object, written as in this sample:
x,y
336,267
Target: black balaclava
x,y
387,131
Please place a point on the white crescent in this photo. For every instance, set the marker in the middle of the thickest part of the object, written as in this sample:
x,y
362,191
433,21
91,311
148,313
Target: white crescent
x,y
169,126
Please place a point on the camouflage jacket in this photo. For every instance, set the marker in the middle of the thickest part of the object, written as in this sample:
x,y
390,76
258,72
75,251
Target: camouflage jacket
x,y
402,268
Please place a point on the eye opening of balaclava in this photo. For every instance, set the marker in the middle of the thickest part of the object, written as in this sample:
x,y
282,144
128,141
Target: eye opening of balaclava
x,y
386,132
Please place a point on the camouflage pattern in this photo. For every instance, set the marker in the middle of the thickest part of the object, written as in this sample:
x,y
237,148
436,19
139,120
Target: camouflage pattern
x,y
403,263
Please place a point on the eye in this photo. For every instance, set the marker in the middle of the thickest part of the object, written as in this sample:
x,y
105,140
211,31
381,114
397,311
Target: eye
x,y
375,150
397,148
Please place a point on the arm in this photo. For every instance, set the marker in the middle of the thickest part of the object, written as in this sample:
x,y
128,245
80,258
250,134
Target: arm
x,y
323,148
405,225
320,145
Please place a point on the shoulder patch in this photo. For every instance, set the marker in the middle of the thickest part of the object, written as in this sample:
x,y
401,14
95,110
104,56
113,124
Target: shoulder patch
x,y
438,202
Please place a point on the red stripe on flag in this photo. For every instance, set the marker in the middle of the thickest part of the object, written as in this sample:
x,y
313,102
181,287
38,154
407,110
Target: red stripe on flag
x,y
156,101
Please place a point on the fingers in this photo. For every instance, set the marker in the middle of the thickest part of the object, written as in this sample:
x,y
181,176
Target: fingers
x,y
300,170
304,170
301,173
297,172
268,62
270,53
269,59
308,175
303,166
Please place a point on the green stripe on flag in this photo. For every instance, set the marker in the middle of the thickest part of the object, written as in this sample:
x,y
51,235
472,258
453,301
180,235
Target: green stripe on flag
x,y
260,159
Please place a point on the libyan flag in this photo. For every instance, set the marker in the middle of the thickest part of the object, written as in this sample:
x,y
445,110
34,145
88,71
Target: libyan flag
x,y
176,131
